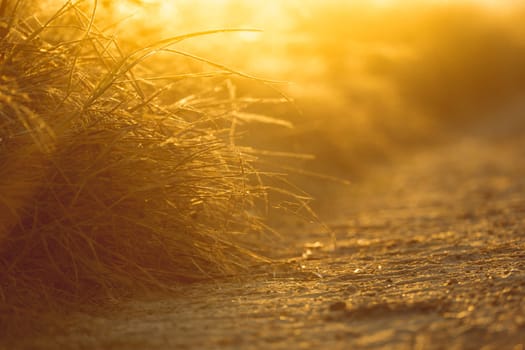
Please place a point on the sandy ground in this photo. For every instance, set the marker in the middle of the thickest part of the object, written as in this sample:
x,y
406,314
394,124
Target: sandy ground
x,y
430,254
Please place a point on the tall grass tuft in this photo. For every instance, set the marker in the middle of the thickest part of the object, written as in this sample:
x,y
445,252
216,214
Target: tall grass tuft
x,y
105,189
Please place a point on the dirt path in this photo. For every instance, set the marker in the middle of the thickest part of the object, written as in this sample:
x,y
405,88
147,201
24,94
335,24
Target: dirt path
x,y
430,255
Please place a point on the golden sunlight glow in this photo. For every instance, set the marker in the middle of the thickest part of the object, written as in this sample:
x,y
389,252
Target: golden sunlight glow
x,y
260,13
169,160
155,10
168,16
308,41
487,3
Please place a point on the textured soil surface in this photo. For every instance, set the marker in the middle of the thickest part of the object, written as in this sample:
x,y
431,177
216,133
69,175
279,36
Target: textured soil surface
x,y
430,254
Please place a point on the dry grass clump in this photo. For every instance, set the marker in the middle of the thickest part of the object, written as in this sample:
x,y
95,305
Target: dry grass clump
x,y
103,190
